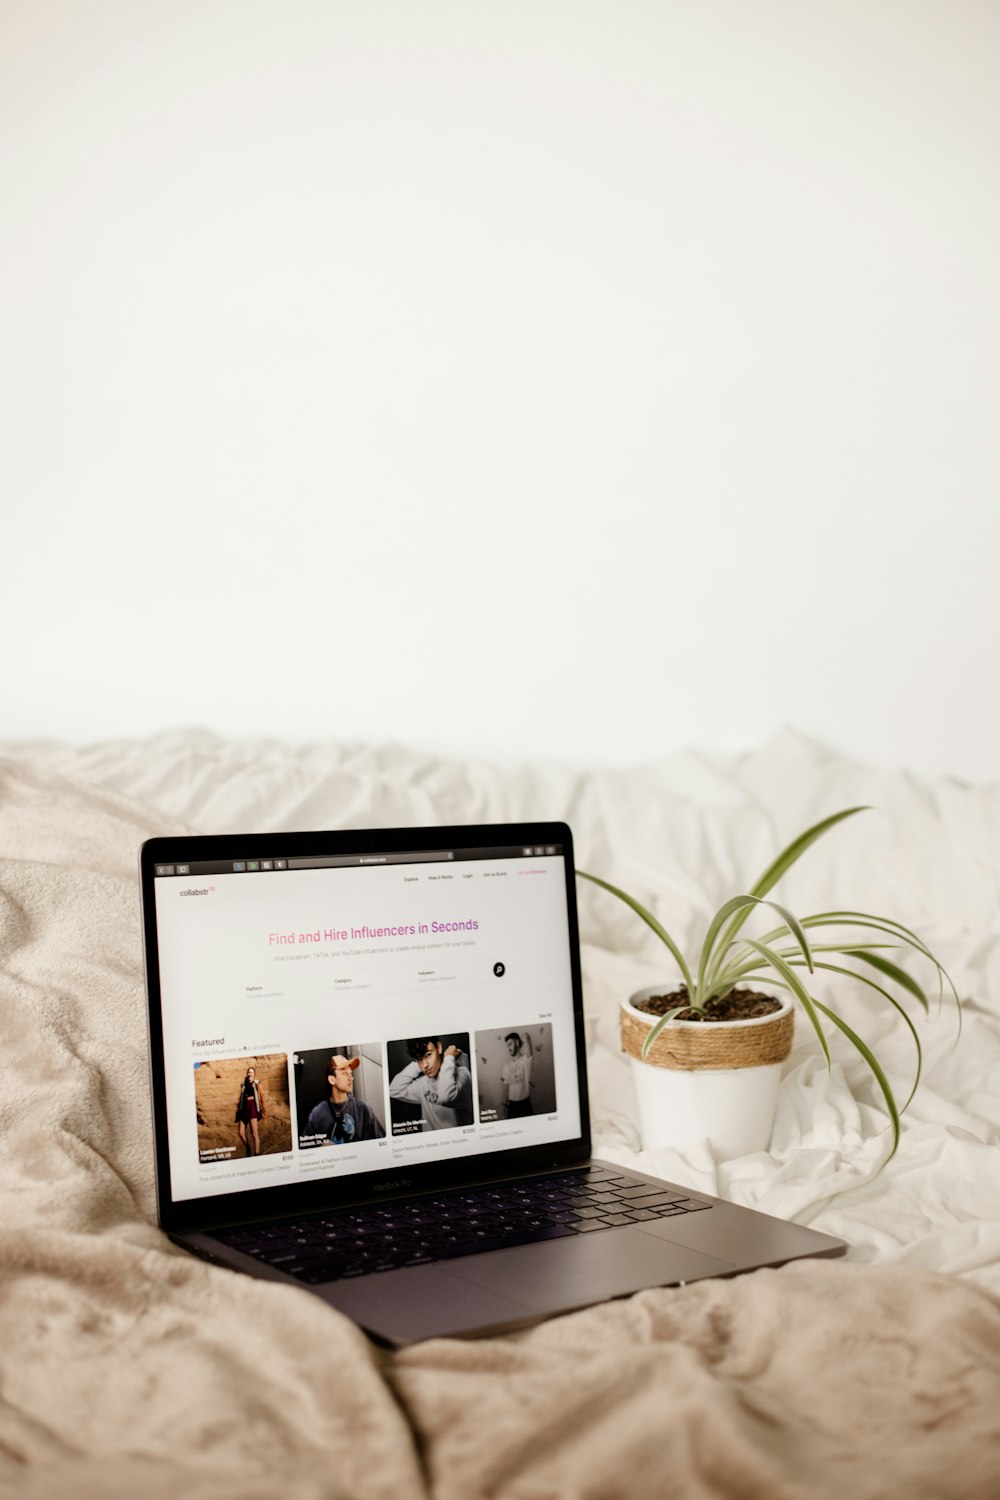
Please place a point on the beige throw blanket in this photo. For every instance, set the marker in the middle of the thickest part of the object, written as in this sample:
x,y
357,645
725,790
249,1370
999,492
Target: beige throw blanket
x,y
130,1369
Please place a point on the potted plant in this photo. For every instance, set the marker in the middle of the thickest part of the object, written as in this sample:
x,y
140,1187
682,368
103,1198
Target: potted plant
x,y
707,1052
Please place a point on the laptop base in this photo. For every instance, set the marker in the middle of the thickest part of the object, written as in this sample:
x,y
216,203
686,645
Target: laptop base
x,y
503,1290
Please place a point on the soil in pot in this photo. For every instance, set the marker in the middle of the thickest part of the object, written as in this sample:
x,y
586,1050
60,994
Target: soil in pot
x,y
738,1005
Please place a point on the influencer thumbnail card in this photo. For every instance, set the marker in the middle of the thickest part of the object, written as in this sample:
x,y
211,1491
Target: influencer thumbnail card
x,y
515,1073
430,1083
242,1107
339,1094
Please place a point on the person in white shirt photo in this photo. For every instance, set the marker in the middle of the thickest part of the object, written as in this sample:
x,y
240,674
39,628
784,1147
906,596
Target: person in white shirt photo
x,y
515,1076
439,1079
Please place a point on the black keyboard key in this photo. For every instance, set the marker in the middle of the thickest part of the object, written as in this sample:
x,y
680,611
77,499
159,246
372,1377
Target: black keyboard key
x,y
648,1193
660,1200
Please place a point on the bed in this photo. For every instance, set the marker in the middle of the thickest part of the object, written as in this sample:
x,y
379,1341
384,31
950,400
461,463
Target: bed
x,y
129,1368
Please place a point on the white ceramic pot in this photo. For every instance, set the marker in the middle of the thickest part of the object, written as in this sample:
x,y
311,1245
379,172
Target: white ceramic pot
x,y
683,1098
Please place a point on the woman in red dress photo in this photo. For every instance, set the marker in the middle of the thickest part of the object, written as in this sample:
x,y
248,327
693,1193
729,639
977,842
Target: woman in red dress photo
x,y
250,1109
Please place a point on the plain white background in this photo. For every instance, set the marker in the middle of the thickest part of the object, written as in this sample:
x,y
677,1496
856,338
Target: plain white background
x,y
550,379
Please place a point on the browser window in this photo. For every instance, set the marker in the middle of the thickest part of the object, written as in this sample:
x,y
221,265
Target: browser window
x,y
324,1017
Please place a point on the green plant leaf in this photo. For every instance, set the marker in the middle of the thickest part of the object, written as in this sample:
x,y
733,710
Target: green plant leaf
x,y
942,972
847,947
894,972
775,961
798,847
742,967
707,969
650,920
786,859
876,1069
671,1015
879,924
863,979
865,1051
888,925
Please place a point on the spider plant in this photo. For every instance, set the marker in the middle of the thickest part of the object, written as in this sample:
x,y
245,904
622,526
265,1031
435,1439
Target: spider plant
x,y
779,956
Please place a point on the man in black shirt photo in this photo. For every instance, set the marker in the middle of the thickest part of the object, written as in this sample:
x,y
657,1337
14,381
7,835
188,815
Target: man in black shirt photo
x,y
342,1119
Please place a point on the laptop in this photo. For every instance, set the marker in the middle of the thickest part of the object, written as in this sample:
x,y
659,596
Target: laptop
x,y
368,1080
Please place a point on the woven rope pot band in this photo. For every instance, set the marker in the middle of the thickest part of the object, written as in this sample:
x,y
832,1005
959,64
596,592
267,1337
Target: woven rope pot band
x,y
709,1044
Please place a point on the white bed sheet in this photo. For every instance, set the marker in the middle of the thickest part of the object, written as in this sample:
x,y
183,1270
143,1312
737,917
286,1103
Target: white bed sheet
x,y
682,833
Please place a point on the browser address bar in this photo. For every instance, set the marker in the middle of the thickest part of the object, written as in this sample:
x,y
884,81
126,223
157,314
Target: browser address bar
x,y
339,861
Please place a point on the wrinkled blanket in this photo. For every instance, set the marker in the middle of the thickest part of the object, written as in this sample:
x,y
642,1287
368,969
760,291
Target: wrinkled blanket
x,y
128,1368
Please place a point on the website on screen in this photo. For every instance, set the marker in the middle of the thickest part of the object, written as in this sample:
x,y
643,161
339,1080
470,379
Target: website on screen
x,y
319,1022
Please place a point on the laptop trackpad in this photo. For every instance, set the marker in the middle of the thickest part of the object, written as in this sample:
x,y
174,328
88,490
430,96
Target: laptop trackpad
x,y
589,1268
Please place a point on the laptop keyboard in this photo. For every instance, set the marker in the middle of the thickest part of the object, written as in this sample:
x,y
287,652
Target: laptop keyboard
x,y
383,1237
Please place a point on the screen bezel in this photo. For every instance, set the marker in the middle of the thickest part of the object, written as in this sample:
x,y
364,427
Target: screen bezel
x,y
257,1204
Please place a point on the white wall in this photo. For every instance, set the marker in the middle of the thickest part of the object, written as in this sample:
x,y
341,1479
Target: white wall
x,y
571,379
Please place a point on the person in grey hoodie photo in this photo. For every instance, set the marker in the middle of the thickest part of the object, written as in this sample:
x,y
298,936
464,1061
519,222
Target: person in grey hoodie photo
x,y
439,1079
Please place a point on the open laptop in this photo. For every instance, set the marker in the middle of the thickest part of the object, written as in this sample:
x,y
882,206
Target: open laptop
x,y
368,1080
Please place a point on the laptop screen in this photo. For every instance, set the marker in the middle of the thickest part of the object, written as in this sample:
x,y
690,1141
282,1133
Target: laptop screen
x,y
326,1016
